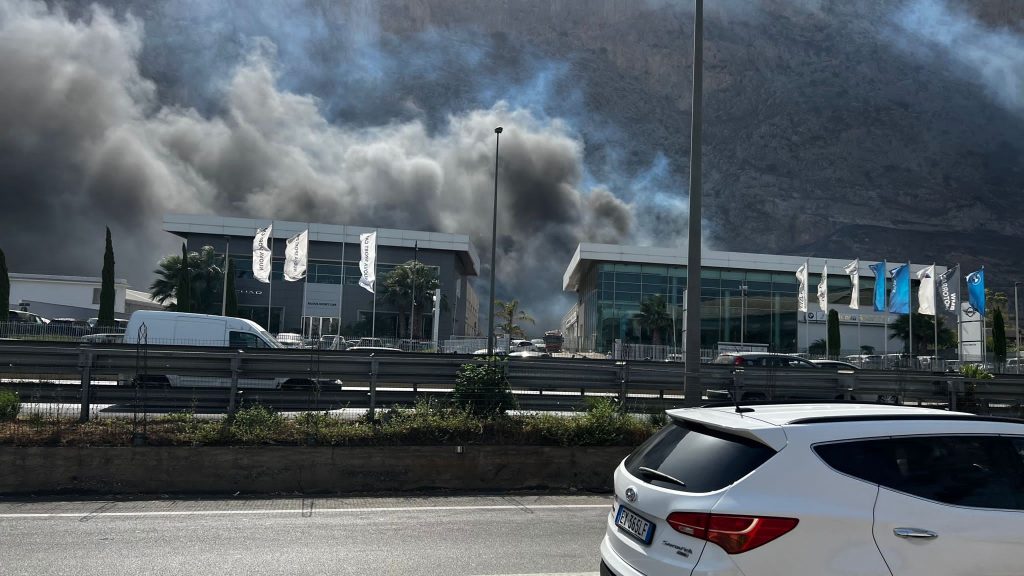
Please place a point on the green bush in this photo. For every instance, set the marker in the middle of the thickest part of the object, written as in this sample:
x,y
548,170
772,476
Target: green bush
x,y
256,425
430,423
975,372
481,388
10,405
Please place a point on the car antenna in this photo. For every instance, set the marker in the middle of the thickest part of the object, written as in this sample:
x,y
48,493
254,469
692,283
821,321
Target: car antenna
x,y
737,376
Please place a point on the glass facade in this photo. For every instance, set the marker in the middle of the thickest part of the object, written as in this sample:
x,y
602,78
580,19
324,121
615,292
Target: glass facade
x,y
644,304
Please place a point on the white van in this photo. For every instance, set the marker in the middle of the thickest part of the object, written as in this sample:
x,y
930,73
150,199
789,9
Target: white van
x,y
184,329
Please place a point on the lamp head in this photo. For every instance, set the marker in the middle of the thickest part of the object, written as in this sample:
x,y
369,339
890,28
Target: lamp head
x,y
498,130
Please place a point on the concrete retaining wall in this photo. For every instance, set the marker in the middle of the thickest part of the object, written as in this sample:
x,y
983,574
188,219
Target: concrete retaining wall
x,y
263,470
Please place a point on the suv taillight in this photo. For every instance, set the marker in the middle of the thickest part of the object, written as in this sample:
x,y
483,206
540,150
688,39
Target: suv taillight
x,y
735,534
737,361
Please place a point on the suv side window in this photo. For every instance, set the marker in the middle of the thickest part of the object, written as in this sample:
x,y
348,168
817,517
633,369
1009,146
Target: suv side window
x,y
973,471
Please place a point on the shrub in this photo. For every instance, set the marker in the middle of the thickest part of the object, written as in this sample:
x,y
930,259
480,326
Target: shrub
x,y
482,390
10,405
256,425
974,371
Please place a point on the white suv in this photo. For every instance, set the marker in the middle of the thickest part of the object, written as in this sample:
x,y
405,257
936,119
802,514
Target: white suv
x,y
822,490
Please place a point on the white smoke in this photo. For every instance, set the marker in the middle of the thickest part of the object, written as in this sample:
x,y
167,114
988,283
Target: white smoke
x,y
993,57
85,142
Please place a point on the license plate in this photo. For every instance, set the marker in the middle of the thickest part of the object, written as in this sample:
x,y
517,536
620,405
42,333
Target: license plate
x,y
632,524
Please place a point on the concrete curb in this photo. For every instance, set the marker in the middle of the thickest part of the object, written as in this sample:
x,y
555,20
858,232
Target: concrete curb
x,y
308,470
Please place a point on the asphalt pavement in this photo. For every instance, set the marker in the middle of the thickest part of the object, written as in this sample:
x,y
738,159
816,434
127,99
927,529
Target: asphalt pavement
x,y
422,536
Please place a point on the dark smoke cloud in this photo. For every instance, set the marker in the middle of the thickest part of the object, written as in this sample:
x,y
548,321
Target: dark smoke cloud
x,y
86,141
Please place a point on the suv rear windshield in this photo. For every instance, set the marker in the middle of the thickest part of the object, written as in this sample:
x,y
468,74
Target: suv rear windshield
x,y
706,460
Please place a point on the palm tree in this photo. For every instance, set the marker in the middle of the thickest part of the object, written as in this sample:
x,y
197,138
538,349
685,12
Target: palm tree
x,y
509,313
205,280
398,288
654,317
924,332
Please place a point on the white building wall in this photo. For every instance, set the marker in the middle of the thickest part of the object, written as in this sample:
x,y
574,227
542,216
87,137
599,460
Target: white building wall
x,y
62,290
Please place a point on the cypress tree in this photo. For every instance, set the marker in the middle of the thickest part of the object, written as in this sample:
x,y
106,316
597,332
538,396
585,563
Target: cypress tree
x,y
834,342
999,336
106,314
231,307
182,294
5,289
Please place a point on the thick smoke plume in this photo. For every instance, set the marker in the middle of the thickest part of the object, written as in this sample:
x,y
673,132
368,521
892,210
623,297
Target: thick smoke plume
x,y
87,141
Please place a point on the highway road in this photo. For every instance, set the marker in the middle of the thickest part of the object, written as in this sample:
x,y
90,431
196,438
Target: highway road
x,y
422,536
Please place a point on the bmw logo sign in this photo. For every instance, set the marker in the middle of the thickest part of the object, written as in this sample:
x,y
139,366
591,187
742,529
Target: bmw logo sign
x,y
631,494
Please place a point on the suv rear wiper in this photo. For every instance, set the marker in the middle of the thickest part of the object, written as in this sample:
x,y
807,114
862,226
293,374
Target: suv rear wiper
x,y
661,475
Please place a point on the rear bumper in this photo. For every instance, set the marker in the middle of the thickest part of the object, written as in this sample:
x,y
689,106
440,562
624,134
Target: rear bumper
x,y
612,565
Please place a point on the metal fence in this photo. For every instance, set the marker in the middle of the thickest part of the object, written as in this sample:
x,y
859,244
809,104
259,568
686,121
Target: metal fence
x,y
102,380
57,331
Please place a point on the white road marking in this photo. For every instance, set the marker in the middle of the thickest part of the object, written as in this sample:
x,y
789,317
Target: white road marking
x,y
95,514
548,574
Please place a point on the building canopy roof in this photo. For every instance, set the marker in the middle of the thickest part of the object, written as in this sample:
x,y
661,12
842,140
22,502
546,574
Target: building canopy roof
x,y
588,254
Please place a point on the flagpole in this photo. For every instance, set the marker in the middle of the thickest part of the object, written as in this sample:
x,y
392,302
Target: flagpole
x,y
270,279
959,324
910,319
807,305
341,290
373,315
935,310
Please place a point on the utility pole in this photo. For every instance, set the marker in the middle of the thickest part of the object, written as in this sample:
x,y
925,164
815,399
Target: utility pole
x,y
692,388
494,245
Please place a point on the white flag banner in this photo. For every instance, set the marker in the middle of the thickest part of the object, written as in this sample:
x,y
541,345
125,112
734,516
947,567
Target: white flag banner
x,y
853,269
296,253
926,291
368,261
261,257
262,239
823,290
801,298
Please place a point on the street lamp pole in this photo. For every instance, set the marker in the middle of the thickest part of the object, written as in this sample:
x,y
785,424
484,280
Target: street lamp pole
x,y
691,379
412,277
227,268
494,245
743,312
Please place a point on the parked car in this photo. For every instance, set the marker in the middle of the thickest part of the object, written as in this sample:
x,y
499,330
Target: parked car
x,y
366,344
119,324
763,360
103,338
835,365
865,360
20,324
333,343
817,490
290,340
771,360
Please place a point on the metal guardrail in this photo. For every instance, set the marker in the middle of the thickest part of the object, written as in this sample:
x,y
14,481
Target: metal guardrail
x,y
359,379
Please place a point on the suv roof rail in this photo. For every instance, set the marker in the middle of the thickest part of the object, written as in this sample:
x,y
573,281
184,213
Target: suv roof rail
x,y
891,417
726,404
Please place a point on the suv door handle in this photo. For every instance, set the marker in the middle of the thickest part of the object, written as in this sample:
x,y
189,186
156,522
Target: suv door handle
x,y
914,533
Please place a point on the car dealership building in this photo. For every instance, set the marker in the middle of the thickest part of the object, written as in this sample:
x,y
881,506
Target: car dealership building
x,y
749,298
330,301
